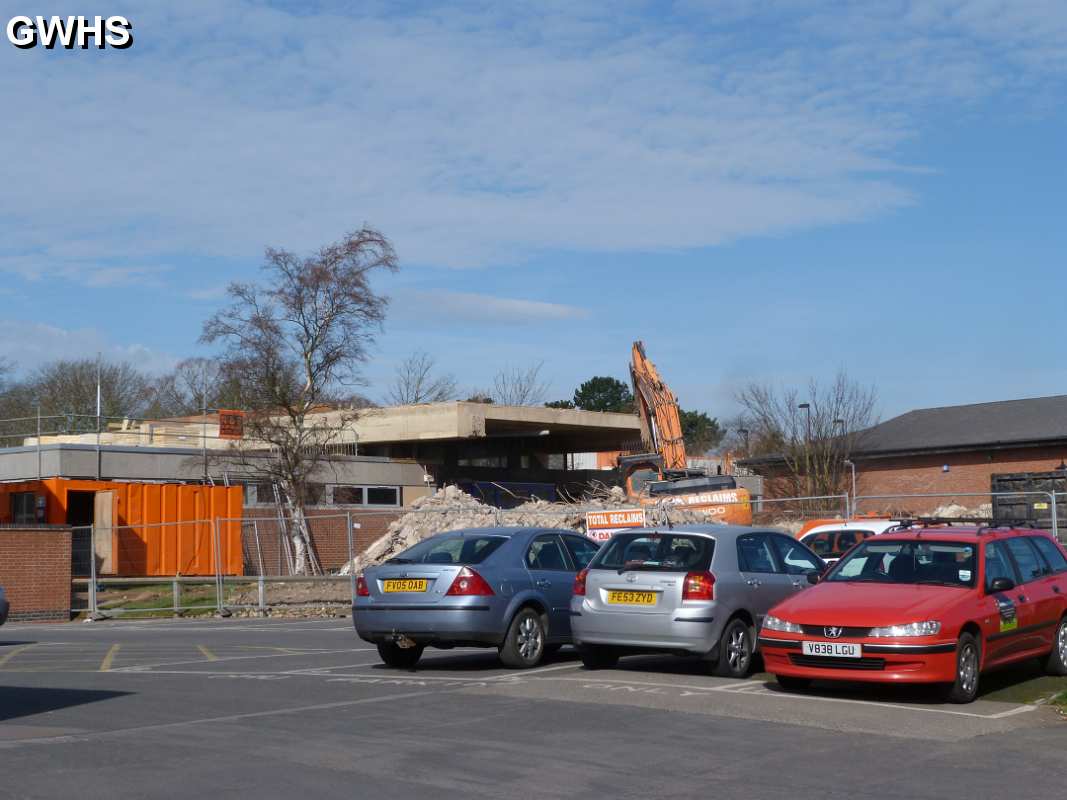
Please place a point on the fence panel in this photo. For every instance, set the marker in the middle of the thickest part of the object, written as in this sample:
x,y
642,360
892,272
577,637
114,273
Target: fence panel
x,y
157,569
273,577
1035,508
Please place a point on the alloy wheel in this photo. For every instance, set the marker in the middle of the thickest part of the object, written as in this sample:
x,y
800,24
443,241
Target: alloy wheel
x,y
737,649
530,638
968,668
1061,642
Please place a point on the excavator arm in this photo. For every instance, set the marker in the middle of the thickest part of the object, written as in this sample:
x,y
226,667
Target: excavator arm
x,y
657,409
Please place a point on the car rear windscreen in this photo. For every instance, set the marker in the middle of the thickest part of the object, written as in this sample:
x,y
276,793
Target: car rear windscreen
x,y
465,550
667,552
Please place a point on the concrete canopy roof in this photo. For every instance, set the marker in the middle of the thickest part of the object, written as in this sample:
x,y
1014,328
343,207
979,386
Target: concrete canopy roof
x,y
563,429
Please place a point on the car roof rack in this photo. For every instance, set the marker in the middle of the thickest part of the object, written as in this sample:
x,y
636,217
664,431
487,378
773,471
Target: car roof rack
x,y
984,524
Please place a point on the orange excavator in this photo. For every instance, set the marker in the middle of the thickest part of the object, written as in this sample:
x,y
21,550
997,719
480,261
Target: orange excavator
x,y
662,474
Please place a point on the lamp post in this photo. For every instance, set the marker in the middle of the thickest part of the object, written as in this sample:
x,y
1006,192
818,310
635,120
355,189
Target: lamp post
x,y
851,465
807,444
744,432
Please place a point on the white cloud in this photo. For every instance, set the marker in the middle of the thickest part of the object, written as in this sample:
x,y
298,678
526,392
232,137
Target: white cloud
x,y
475,135
32,344
475,309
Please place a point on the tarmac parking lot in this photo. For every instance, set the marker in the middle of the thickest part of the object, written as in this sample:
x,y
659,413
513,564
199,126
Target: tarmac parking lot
x,y
271,708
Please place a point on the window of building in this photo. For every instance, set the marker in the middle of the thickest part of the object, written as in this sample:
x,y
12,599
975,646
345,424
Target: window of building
x,y
347,495
22,508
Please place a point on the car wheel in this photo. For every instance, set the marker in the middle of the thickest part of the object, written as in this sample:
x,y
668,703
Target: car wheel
x,y
968,668
399,657
792,684
524,645
1057,659
598,657
735,650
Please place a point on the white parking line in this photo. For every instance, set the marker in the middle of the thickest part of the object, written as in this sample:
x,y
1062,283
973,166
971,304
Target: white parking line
x,y
136,667
748,690
1022,709
82,737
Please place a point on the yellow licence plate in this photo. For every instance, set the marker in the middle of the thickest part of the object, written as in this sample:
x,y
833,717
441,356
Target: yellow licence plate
x,y
632,598
405,585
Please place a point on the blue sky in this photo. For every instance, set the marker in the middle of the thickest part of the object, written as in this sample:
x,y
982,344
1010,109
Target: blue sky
x,y
761,191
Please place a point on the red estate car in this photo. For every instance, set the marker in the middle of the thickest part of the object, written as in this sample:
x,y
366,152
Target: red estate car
x,y
925,605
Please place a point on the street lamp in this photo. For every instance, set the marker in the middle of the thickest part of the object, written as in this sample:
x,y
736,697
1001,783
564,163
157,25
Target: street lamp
x,y
745,432
807,445
851,465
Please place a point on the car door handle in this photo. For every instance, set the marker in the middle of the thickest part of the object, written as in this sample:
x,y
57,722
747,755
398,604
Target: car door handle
x,y
1022,598
1056,589
543,584
752,582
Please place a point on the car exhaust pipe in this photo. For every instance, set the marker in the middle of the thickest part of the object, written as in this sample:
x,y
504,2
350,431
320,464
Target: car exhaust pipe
x,y
403,642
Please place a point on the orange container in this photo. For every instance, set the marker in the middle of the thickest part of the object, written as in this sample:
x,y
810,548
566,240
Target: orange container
x,y
156,529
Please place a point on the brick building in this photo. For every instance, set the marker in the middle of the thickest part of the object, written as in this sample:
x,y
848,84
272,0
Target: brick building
x,y
952,449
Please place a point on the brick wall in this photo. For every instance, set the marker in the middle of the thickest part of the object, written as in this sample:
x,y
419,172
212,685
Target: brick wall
x,y
329,537
967,472
35,573
925,474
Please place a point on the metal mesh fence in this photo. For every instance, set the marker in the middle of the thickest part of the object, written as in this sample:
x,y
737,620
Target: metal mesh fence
x,y
252,563
1036,509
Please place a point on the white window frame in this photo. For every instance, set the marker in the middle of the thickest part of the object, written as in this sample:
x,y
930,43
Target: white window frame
x,y
365,487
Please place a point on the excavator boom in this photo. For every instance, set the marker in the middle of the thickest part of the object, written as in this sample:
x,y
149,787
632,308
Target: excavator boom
x,y
657,408
660,475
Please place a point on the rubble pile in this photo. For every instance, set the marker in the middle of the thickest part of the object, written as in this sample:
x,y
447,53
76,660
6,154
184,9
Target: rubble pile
x,y
955,510
451,509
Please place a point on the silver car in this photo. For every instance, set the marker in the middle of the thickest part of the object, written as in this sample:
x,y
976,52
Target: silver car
x,y
508,588
699,590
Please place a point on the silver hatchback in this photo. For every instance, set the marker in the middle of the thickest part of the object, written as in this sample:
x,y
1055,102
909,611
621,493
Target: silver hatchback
x,y
698,590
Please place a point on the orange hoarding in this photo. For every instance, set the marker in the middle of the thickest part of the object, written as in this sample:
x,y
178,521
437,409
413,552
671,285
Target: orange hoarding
x,y
143,529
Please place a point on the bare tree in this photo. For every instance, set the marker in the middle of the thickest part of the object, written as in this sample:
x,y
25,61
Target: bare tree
x,y
195,384
813,441
294,341
417,382
68,388
515,386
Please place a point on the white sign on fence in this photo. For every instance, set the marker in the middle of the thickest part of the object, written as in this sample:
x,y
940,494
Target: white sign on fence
x,y
600,525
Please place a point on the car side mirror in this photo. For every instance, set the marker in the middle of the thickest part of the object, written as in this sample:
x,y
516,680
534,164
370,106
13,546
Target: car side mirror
x,y
1001,585
814,576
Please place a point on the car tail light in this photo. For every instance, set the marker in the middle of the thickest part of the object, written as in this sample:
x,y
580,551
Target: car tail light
x,y
579,583
361,587
468,582
698,586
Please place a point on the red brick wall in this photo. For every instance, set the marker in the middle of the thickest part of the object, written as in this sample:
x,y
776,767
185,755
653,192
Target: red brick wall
x,y
35,573
329,537
968,472
924,474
